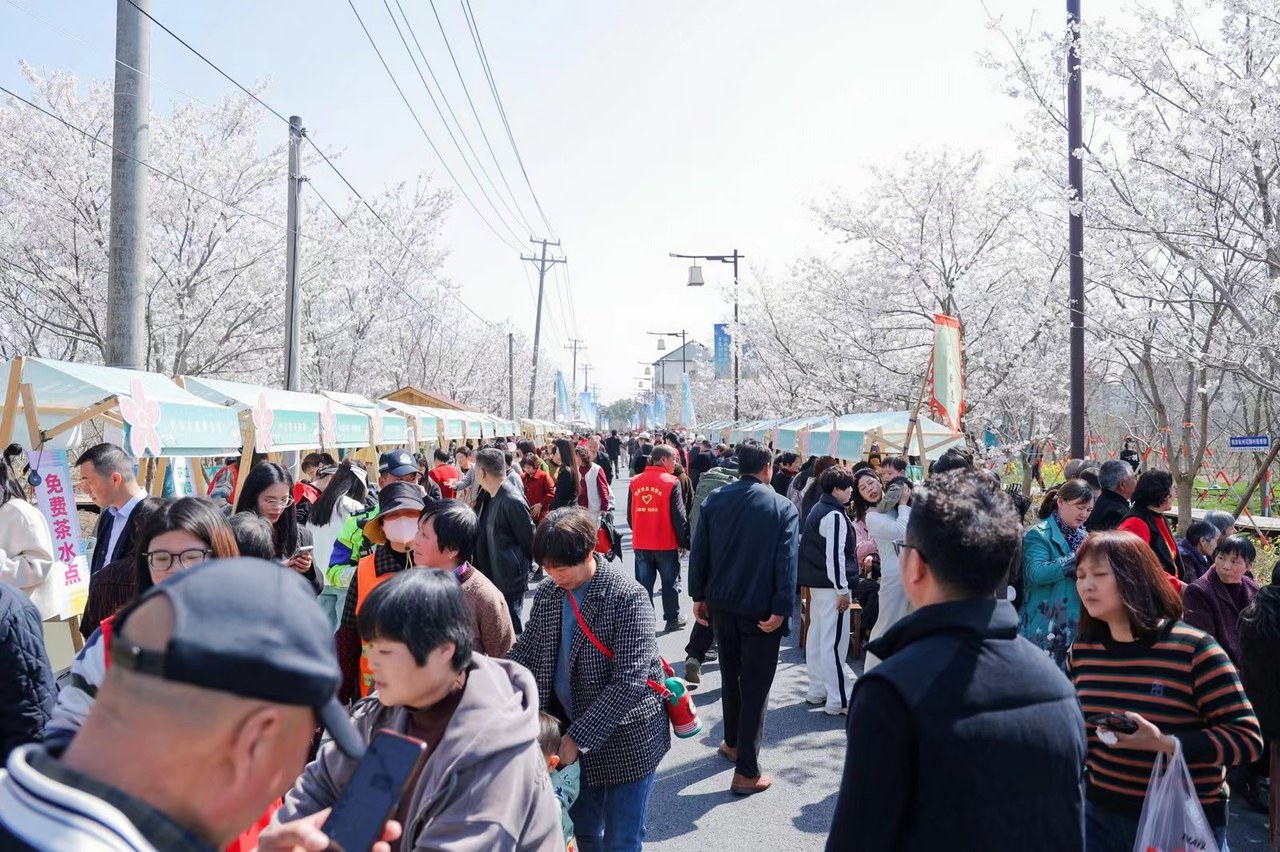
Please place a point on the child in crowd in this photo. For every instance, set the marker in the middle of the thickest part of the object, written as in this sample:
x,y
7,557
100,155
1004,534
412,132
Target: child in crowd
x,y
566,782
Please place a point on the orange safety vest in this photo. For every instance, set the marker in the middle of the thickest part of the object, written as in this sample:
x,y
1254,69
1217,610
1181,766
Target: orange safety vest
x,y
367,580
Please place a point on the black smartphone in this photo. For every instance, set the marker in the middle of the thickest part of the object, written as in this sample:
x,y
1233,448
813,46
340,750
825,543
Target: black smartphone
x,y
1117,722
364,807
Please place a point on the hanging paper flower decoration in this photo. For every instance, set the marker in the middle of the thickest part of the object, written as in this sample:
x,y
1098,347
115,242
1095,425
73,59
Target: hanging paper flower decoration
x,y
328,427
142,415
263,418
375,427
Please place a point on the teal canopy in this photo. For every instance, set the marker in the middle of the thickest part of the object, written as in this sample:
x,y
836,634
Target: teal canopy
x,y
286,420
386,428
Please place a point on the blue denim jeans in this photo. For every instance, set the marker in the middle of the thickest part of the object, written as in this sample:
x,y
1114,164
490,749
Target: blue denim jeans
x,y
1105,831
611,819
651,563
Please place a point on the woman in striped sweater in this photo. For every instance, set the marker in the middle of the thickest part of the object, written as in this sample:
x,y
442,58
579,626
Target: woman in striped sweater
x,y
1133,655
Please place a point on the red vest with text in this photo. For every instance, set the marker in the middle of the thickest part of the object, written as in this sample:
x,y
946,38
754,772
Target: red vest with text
x,y
651,527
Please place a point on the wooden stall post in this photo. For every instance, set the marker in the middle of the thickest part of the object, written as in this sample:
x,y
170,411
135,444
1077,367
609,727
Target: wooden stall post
x,y
246,458
10,413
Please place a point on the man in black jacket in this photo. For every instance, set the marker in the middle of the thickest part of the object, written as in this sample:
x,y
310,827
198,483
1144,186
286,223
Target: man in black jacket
x,y
504,548
1118,482
107,474
966,733
742,579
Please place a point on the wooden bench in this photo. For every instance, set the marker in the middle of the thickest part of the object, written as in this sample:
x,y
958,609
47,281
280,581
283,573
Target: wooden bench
x,y
855,609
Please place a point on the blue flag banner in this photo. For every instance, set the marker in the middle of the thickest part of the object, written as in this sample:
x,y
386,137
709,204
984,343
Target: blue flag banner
x,y
687,417
562,396
646,415
660,410
723,350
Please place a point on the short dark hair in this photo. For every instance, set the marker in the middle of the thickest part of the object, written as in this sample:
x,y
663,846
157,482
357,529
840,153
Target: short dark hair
x,y
788,458
898,463
1198,531
753,458
107,459
455,525
565,537
835,477
253,535
1237,545
965,527
1143,585
524,447
492,462
311,460
660,453
1152,488
464,450
531,460
549,736
952,459
440,455
423,610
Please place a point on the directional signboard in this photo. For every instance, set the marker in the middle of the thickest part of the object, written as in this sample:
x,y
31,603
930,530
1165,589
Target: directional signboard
x,y
1250,443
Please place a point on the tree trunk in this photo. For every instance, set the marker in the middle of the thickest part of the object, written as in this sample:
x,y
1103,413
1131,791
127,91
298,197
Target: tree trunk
x,y
1185,486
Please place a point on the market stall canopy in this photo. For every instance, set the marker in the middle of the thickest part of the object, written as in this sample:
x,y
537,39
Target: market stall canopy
x,y
157,416
853,435
790,432
425,424
386,429
453,427
281,420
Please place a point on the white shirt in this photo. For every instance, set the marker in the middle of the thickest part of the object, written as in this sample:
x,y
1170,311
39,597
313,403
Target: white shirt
x,y
119,520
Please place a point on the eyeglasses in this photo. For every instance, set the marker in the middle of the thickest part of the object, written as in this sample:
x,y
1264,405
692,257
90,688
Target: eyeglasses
x,y
899,545
163,560
277,502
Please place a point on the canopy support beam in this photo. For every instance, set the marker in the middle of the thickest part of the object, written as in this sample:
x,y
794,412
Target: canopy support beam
x,y
10,412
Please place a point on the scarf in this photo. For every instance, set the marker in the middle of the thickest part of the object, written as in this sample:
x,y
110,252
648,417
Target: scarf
x,y
1075,537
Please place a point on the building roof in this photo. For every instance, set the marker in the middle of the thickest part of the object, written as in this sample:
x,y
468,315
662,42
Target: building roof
x,y
697,352
430,399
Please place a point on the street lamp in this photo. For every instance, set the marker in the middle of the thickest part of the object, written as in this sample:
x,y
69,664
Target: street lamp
x,y
695,280
662,346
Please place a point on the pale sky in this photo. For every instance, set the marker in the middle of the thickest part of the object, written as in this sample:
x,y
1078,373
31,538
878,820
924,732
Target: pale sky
x,y
646,127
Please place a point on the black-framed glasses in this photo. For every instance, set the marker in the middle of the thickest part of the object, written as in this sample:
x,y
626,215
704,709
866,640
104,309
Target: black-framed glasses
x,y
164,560
899,545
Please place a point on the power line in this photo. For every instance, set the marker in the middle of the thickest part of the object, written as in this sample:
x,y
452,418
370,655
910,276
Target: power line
x,y
409,26
423,129
493,88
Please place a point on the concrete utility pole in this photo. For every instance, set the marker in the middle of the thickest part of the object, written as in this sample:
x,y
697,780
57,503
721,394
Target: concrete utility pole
x,y
544,263
511,376
586,377
1075,172
575,346
127,242
292,339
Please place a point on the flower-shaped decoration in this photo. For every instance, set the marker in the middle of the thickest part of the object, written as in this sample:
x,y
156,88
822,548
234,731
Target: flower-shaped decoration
x,y
375,427
142,415
328,427
263,417
835,438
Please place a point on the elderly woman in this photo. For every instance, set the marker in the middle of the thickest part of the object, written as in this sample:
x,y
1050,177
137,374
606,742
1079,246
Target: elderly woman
x,y
1224,521
1050,605
1152,497
1196,549
595,683
1214,602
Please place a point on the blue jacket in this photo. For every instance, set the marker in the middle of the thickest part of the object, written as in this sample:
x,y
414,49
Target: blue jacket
x,y
744,552
27,690
1050,604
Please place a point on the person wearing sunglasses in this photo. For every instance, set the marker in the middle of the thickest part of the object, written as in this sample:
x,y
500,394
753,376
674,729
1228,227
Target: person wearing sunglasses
x,y
268,493
177,536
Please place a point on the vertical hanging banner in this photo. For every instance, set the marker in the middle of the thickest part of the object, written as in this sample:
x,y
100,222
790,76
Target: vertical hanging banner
x,y
646,416
723,350
687,417
946,401
660,410
562,396
57,501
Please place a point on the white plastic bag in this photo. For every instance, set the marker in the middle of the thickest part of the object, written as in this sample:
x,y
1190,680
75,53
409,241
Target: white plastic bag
x,y
1172,819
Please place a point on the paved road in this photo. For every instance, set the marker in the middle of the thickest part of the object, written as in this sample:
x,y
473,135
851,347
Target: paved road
x,y
692,809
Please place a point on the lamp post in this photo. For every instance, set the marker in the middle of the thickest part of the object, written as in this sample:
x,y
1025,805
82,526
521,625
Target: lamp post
x,y
684,350
695,280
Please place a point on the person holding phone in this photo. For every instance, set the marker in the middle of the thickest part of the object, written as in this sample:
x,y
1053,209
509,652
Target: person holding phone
x,y
268,493
1172,673
484,784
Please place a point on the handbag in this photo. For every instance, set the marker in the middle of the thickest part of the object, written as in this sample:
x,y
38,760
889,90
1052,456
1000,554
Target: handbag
x,y
681,712
1172,818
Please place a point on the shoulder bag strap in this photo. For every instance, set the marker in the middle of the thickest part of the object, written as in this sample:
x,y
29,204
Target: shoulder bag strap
x,y
660,688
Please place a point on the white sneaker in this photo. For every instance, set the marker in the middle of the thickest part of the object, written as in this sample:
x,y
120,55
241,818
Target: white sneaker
x,y
821,699
836,711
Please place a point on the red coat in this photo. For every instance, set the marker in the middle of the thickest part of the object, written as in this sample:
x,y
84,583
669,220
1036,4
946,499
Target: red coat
x,y
539,490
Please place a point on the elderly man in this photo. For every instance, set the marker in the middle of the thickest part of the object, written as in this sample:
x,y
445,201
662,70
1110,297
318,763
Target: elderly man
x,y
505,542
600,457
1118,482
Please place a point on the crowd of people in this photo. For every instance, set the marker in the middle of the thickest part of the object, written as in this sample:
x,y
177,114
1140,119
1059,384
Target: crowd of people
x,y
215,706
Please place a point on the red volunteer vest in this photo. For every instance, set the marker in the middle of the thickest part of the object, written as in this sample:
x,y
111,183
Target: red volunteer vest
x,y
651,527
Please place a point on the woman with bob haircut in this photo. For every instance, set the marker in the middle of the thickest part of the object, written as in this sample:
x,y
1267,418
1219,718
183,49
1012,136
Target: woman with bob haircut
x,y
484,785
1152,497
1134,657
1213,603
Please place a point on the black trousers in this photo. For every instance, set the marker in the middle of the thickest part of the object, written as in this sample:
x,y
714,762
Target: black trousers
x,y
700,639
748,662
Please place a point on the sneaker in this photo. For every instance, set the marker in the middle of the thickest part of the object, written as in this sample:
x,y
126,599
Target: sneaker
x,y
679,624
712,655
692,671
815,699
836,711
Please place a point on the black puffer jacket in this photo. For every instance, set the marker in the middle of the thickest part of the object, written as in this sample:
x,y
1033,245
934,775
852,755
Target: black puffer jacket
x,y
27,690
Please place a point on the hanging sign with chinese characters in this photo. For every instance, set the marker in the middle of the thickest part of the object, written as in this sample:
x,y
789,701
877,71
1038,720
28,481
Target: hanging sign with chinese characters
x,y
57,502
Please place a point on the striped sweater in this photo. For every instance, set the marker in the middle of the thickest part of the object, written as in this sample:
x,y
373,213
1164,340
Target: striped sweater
x,y
1180,680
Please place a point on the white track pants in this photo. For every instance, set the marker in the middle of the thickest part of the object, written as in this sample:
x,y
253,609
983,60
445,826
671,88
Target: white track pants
x,y
825,649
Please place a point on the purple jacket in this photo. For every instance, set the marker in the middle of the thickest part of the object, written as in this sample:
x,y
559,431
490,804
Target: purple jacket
x,y
1208,606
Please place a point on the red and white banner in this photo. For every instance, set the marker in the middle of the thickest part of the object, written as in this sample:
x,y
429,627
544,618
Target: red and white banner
x,y
946,395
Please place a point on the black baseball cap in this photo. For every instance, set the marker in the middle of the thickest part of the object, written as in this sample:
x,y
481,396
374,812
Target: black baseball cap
x,y
251,628
396,497
397,463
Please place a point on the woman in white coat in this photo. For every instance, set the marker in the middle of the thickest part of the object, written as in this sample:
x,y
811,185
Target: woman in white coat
x,y
886,524
26,547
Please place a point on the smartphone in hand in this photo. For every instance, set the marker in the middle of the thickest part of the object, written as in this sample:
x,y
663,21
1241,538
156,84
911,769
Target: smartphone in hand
x,y
375,790
1117,722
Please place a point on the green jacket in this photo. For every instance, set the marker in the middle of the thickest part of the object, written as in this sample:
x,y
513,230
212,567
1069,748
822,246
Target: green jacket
x,y
346,550
708,482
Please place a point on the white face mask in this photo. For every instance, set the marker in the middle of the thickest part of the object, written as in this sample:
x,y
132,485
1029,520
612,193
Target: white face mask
x,y
400,530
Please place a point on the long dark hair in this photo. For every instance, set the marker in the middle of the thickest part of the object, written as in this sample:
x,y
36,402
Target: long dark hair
x,y
859,505
260,479
10,485
1071,491
196,515
344,483
1143,585
568,462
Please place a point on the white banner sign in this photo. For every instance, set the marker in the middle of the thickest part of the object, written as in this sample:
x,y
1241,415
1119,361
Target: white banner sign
x,y
57,501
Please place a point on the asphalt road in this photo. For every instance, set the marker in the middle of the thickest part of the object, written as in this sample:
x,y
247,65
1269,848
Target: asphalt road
x,y
804,749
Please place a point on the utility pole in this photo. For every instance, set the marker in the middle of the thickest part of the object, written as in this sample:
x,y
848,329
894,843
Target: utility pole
x,y
544,263
130,136
586,377
1075,171
292,338
511,376
575,346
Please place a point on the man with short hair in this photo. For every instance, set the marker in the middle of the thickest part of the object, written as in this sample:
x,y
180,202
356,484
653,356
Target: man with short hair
x,y
192,735
1117,481
942,732
443,474
659,531
825,538
742,578
788,467
445,540
465,489
640,458
107,474
504,547
613,448
598,456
